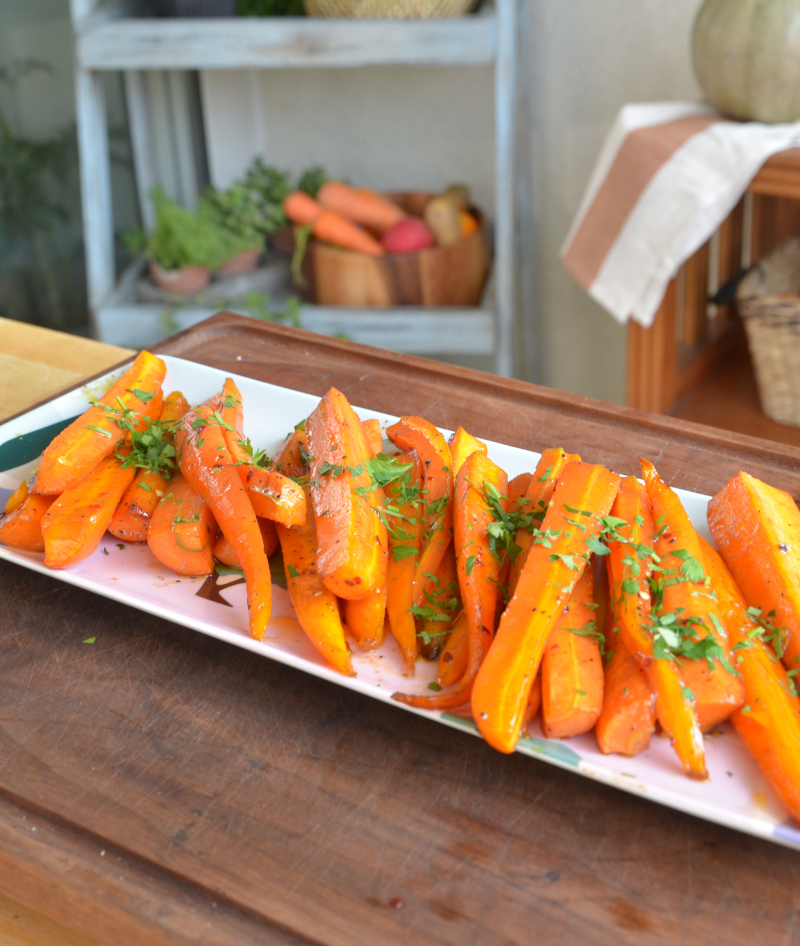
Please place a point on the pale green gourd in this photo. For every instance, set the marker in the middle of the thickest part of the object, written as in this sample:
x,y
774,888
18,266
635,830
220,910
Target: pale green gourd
x,y
747,57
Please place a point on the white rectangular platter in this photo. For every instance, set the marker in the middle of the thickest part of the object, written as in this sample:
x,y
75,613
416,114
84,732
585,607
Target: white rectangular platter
x,y
735,795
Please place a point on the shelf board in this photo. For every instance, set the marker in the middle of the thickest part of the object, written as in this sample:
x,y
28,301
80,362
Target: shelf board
x,y
109,39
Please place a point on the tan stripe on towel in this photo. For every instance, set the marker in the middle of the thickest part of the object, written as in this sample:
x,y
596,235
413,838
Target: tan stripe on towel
x,y
643,153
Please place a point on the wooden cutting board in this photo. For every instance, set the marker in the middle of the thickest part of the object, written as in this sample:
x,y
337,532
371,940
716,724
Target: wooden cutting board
x,y
159,787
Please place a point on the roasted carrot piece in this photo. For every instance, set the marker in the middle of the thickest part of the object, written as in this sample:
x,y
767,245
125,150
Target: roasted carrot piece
x,y
717,690
404,546
553,567
76,522
462,445
517,500
224,552
628,719
79,448
442,605
317,608
479,484
181,529
630,563
572,667
141,498
292,459
455,655
757,530
769,723
206,463
534,700
540,490
415,433
366,618
352,544
21,521
372,429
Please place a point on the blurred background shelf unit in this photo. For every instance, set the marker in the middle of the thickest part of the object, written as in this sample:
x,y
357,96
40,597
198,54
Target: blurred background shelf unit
x,y
235,59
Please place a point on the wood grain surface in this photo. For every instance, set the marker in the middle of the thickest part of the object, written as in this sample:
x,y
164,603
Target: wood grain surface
x,y
183,791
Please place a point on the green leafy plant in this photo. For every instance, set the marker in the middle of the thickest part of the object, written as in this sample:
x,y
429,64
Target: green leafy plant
x,y
237,212
271,8
266,187
312,179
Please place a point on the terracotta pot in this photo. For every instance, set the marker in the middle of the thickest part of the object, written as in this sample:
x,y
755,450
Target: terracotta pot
x,y
244,262
184,282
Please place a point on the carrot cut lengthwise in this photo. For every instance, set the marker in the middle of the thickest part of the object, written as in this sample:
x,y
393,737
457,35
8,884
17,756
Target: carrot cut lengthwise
x,y
21,521
76,522
572,668
478,568
503,684
205,462
442,606
79,448
372,430
352,543
455,655
769,723
757,530
317,608
224,552
181,530
628,719
461,446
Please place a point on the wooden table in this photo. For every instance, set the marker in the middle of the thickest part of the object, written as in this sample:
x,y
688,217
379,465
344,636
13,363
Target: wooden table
x,y
183,791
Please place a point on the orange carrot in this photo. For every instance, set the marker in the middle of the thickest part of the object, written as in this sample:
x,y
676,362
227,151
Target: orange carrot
x,y
21,521
204,460
534,700
300,208
455,656
76,522
553,567
462,445
572,668
517,501
180,530
372,428
224,552
628,719
442,605
366,617
361,206
292,458
93,436
329,226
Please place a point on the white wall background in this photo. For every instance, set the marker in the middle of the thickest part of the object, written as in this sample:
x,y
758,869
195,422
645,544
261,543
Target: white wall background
x,y
399,128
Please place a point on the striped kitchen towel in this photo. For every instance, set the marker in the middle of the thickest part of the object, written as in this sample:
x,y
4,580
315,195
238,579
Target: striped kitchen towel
x,y
668,175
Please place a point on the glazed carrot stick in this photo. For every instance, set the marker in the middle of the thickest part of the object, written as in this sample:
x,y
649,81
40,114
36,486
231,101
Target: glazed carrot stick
x,y
455,655
204,460
404,545
181,529
79,448
76,522
553,567
317,608
757,530
718,691
769,723
21,521
292,458
572,667
416,433
149,485
540,490
224,552
628,719
534,700
461,446
329,226
630,567
442,605
366,618
480,484
372,428
352,542
361,206
517,501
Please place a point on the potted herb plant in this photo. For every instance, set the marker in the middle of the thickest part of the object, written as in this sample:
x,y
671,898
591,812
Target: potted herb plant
x,y
239,217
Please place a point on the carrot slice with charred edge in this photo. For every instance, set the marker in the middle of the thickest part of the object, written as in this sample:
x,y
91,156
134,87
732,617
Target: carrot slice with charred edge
x,y
415,433
477,572
404,545
628,719
769,723
292,459
455,655
717,691
503,684
366,618
372,429
74,524
93,436
461,446
133,513
21,521
572,668
444,600
517,491
757,530
224,552
204,460
181,530
317,608
352,542
540,491
675,708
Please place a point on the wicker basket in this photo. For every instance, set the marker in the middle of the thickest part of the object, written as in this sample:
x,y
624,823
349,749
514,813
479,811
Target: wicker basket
x,y
388,9
769,303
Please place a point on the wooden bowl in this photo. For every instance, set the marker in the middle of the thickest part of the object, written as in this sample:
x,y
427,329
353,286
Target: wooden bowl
x,y
442,276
